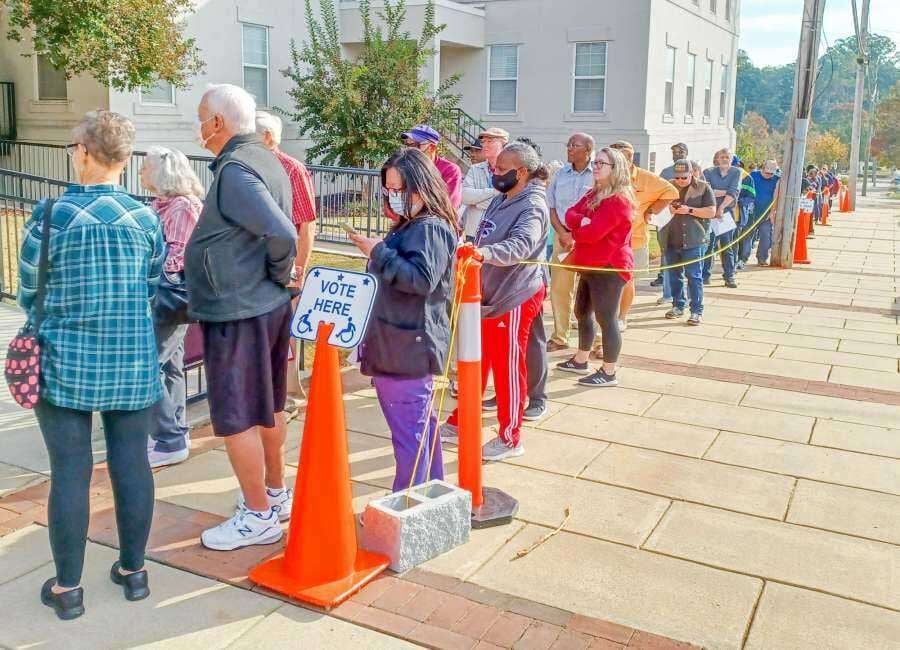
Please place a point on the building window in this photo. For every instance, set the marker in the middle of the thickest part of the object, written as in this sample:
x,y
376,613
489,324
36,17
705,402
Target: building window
x,y
162,92
689,88
670,80
723,93
256,62
713,6
590,78
707,89
728,10
503,78
51,81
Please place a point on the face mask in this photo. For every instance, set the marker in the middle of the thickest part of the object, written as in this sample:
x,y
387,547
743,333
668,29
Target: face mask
x,y
198,131
396,203
506,182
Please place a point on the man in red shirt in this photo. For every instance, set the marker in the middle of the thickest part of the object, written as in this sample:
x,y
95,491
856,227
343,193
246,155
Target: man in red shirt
x,y
303,214
426,139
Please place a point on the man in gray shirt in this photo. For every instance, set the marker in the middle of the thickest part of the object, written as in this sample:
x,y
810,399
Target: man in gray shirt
x,y
725,181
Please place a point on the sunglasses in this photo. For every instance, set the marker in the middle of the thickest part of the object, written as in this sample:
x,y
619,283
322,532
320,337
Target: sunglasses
x,y
681,178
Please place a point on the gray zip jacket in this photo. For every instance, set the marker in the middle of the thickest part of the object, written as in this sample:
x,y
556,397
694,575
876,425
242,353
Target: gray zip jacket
x,y
512,230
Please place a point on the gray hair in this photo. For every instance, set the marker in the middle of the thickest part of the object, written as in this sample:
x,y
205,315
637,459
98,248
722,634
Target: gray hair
x,y
107,136
171,174
529,159
696,166
271,123
236,106
586,136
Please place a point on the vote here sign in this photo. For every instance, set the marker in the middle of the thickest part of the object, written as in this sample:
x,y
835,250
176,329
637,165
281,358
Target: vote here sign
x,y
337,296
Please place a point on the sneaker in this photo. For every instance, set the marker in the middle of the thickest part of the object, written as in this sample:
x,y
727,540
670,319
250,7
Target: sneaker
x,y
623,324
695,319
454,389
674,313
731,284
570,365
245,528
164,458
599,379
663,300
535,411
489,404
283,499
761,263
707,282
657,281
496,449
449,433
553,346
741,265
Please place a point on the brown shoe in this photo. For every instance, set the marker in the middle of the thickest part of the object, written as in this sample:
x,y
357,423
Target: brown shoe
x,y
597,354
553,346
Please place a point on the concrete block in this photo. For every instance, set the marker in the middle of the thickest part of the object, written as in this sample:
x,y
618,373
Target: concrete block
x,y
434,518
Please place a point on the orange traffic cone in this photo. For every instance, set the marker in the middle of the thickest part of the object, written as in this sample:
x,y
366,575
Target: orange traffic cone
x,y
322,563
800,254
823,221
845,199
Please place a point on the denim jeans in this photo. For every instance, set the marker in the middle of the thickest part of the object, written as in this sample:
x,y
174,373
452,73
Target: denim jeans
x,y
764,230
694,273
727,256
171,428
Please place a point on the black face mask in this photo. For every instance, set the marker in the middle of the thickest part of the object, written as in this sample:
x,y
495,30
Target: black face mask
x,y
506,182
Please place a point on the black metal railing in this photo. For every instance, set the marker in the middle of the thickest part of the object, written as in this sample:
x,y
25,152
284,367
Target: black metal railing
x,y
464,130
19,193
342,193
7,110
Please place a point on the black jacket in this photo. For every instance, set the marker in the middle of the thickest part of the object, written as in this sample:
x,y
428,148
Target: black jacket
x,y
409,330
239,257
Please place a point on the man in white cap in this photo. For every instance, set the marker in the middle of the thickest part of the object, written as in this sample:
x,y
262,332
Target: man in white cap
x,y
478,191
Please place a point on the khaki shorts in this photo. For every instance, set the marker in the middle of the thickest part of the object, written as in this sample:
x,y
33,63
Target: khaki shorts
x,y
641,262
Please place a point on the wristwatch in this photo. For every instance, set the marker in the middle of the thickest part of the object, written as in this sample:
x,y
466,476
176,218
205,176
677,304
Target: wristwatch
x,y
690,210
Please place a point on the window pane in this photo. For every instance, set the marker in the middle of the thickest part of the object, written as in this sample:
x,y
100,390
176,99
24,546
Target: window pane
x,y
708,74
724,77
256,82
158,93
590,59
256,50
51,82
670,98
589,95
689,101
707,103
503,97
692,68
504,61
670,64
722,104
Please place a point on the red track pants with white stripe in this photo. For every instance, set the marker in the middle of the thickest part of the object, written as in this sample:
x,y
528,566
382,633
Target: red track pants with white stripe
x,y
503,343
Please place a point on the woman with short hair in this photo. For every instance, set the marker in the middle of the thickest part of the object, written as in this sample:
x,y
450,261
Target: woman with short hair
x,y
167,174
407,340
98,353
601,227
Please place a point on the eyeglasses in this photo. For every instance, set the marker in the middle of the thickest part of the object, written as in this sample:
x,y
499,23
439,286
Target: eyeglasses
x,y
681,178
575,145
71,148
599,163
387,191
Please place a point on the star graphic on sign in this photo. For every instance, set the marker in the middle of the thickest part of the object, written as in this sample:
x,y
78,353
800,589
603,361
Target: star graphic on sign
x,y
316,273
340,277
365,282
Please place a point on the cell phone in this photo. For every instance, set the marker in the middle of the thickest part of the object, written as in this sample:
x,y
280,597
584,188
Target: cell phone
x,y
348,228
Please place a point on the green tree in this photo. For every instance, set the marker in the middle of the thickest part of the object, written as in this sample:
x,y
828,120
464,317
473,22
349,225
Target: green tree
x,y
886,144
826,148
125,44
354,108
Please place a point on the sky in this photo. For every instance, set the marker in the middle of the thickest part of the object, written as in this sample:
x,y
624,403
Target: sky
x,y
770,29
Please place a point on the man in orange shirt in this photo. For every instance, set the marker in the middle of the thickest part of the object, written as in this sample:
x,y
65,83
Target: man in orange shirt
x,y
653,195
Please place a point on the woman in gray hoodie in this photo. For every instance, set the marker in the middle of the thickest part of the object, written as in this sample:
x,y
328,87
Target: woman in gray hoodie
x,y
512,230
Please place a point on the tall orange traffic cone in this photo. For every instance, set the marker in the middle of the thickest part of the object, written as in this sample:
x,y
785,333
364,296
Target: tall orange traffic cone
x,y
845,200
823,221
800,254
322,563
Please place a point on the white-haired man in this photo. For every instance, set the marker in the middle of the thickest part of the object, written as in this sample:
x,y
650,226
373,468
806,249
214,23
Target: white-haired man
x,y
238,263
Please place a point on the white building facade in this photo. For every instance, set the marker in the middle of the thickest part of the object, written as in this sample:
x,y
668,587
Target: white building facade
x,y
653,72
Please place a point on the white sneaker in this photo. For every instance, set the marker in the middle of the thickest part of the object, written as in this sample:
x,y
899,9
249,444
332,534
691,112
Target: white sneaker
x,y
163,458
449,433
623,325
496,449
281,501
245,528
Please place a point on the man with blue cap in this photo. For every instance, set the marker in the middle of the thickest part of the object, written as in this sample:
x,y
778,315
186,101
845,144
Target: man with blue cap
x,y
426,139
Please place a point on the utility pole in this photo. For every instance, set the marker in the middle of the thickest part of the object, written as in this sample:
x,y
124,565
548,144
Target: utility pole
x,y
870,135
861,23
795,150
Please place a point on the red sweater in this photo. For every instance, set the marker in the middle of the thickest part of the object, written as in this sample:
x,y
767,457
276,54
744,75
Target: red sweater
x,y
603,234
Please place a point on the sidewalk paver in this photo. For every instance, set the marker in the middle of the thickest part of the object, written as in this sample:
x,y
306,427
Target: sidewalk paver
x,y
879,441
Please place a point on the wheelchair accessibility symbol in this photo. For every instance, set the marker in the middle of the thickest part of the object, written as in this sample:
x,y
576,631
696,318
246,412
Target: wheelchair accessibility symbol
x,y
336,296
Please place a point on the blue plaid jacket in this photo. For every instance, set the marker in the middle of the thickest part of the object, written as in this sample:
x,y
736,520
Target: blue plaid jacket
x,y
98,344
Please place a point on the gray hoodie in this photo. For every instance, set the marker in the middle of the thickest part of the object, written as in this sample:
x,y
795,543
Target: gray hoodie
x,y
512,230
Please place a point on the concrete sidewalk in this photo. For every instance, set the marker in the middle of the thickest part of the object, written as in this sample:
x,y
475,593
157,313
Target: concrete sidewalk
x,y
740,489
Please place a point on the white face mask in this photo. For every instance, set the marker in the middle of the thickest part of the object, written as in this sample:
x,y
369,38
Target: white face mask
x,y
396,203
198,131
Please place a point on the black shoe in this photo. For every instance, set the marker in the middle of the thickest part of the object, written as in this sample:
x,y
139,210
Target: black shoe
x,y
707,282
134,584
731,284
67,605
535,411
658,282
599,379
489,404
570,365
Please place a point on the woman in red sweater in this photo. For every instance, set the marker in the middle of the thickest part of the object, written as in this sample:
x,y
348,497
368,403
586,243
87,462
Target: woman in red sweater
x,y
600,224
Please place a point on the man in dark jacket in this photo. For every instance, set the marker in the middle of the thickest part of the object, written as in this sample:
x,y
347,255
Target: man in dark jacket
x,y
238,264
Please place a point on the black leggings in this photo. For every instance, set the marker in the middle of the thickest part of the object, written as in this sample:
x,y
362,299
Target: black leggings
x,y
67,434
599,295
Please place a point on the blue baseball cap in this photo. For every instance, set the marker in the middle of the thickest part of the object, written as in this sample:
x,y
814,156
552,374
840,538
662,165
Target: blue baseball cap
x,y
421,133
